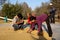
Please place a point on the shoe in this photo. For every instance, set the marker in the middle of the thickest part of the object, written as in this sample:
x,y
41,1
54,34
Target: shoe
x,y
50,35
15,29
40,34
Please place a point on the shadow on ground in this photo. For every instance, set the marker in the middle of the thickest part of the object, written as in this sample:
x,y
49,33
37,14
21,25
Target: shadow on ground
x,y
53,39
40,38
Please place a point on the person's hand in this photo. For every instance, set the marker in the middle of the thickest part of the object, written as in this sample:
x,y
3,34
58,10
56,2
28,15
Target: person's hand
x,y
33,21
48,14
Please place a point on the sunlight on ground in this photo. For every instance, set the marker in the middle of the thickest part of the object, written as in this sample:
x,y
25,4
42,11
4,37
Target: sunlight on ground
x,y
7,33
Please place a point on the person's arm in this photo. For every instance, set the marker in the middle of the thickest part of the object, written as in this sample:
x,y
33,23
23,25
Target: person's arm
x,y
30,21
14,20
33,21
20,21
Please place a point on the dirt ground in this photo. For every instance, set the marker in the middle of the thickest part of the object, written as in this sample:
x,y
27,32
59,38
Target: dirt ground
x,y
2,21
7,33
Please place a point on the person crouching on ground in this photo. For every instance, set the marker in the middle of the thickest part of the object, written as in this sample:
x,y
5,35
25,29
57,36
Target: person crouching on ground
x,y
18,22
39,20
28,19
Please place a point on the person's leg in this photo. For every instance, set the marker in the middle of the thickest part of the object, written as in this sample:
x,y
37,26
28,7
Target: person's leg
x,y
31,27
16,27
49,27
36,26
21,25
40,32
53,18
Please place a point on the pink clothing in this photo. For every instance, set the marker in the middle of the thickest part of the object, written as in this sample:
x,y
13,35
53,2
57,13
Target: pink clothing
x,y
39,20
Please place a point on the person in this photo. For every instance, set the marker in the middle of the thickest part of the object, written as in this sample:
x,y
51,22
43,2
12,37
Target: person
x,y
5,19
52,14
29,15
58,14
39,20
32,16
28,19
18,22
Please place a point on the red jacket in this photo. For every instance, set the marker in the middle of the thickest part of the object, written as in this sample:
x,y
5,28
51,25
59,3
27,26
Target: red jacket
x,y
29,22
